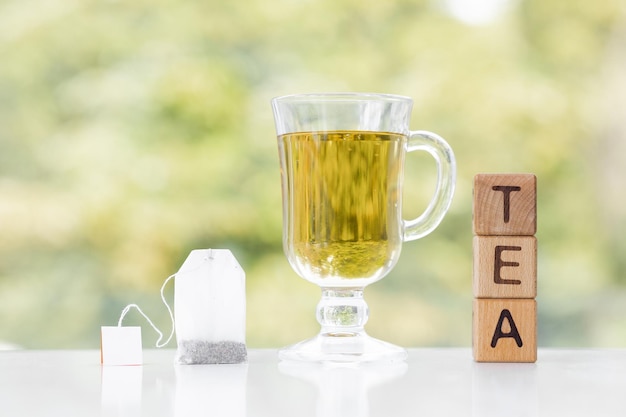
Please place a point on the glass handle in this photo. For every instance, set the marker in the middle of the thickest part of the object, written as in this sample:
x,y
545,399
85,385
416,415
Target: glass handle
x,y
446,177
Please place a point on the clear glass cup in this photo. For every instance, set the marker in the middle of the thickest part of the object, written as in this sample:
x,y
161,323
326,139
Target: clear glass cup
x,y
342,161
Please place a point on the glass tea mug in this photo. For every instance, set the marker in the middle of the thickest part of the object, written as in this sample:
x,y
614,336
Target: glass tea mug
x,y
342,159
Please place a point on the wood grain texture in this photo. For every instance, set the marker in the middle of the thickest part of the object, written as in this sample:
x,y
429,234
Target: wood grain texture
x,y
505,204
505,267
504,330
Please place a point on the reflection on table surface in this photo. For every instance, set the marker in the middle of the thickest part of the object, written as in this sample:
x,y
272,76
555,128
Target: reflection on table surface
x,y
433,382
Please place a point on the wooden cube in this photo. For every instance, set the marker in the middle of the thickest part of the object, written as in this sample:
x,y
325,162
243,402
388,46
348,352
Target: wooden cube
x,y
505,267
505,204
504,330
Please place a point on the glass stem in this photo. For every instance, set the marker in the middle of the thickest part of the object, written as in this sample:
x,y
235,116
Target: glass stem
x,y
342,311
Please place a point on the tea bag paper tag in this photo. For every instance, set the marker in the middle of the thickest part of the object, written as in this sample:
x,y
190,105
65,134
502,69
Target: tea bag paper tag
x,y
120,345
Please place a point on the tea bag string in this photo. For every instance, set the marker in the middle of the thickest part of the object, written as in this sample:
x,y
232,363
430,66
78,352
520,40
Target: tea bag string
x,y
128,307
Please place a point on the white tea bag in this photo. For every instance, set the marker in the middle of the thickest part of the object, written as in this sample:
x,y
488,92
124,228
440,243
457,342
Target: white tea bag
x,y
210,309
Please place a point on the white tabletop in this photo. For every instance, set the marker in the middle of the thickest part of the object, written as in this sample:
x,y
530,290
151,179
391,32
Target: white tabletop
x,y
433,382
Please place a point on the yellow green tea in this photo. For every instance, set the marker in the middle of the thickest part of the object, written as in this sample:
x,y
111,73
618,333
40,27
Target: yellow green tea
x,y
341,203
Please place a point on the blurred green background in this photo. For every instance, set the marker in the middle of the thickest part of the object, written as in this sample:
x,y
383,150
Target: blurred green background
x,y
132,132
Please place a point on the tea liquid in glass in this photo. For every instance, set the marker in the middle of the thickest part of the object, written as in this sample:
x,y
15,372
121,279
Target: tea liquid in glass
x,y
342,204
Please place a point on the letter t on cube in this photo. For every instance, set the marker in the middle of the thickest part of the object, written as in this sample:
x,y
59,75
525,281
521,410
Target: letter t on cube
x,y
505,205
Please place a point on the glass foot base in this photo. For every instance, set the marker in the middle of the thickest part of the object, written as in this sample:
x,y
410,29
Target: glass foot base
x,y
343,347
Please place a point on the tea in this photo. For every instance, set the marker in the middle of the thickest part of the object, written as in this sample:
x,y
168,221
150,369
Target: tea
x,y
342,199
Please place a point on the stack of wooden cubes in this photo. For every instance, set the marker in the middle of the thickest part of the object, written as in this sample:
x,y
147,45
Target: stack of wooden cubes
x,y
505,268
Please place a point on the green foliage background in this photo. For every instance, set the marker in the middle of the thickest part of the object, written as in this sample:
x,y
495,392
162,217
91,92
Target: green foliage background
x,y
132,132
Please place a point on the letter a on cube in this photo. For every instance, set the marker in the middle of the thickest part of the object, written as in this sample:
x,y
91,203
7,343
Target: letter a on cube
x,y
505,330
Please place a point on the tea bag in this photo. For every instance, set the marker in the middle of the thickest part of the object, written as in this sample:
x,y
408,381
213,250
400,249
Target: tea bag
x,y
210,309
209,318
